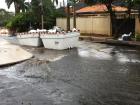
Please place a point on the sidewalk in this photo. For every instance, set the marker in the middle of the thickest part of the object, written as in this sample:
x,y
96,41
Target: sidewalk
x,y
127,43
110,40
10,54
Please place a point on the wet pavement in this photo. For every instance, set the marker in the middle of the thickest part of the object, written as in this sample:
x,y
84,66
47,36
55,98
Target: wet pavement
x,y
10,53
92,74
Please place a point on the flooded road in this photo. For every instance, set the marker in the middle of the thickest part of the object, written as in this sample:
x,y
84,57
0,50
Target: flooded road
x,y
92,74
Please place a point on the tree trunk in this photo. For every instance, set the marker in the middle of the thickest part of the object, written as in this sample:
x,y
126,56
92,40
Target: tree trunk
x,y
109,7
17,8
129,8
74,16
68,17
42,16
139,14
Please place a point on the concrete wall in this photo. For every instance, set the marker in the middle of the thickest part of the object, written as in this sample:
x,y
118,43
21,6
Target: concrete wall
x,y
89,24
137,25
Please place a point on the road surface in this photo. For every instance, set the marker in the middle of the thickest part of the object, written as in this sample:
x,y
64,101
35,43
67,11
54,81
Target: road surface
x,y
92,74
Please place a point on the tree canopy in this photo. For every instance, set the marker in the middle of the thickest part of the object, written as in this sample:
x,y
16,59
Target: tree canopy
x,y
18,4
4,16
29,14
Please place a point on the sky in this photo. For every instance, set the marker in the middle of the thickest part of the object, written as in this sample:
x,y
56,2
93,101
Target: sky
x,y
11,9
4,6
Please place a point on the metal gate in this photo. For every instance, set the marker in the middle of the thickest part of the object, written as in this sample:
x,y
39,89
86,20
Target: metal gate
x,y
123,26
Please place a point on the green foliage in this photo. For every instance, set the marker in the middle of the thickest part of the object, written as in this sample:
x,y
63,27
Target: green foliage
x,y
60,12
21,22
48,10
32,17
90,2
4,16
19,5
49,13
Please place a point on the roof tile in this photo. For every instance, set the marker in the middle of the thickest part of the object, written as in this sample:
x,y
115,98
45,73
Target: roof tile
x,y
100,8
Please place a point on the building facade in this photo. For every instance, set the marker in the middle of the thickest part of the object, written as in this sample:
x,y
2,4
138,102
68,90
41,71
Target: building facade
x,y
95,20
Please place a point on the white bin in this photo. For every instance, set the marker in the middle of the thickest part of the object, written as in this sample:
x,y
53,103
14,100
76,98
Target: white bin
x,y
29,39
60,41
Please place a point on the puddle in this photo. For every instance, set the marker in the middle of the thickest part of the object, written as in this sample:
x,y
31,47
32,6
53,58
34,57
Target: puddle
x,y
95,53
57,58
126,59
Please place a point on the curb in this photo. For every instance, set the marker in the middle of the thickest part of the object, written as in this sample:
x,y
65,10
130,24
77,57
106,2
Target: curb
x,y
110,40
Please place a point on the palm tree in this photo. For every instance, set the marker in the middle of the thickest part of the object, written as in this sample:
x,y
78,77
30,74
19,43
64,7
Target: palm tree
x,y
137,3
90,2
43,11
55,2
4,16
73,2
74,13
133,3
19,4
68,15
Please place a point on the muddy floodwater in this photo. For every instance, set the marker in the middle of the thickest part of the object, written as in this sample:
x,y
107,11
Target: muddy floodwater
x,y
92,74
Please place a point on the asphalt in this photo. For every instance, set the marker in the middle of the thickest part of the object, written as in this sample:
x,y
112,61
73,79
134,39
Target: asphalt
x,y
92,74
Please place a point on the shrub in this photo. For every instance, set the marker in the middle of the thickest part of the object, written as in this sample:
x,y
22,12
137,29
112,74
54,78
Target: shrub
x,y
20,23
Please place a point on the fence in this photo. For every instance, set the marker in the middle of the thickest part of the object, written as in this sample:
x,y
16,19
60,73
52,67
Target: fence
x,y
137,25
89,24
